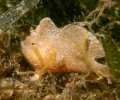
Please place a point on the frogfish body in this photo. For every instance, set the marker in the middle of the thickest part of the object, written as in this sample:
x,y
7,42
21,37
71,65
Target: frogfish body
x,y
68,49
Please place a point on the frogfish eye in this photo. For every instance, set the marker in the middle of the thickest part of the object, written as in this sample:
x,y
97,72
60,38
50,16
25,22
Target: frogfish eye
x,y
33,43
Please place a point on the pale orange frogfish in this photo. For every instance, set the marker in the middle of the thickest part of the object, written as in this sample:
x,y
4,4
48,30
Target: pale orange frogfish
x,y
68,49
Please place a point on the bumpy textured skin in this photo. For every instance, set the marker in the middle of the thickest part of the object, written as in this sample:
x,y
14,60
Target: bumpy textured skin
x,y
68,49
